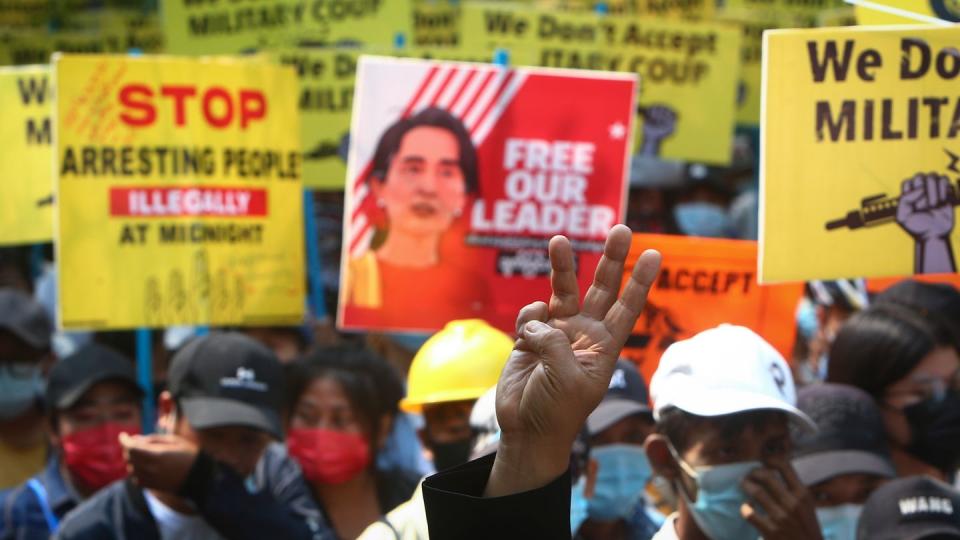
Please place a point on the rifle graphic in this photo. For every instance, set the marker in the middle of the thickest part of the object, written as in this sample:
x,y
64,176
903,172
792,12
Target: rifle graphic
x,y
880,209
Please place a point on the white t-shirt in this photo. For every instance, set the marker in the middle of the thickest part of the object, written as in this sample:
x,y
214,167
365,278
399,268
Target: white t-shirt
x,y
667,532
176,526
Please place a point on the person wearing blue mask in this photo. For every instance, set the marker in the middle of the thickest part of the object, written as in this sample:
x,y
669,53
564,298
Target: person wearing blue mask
x,y
25,356
846,459
724,401
618,427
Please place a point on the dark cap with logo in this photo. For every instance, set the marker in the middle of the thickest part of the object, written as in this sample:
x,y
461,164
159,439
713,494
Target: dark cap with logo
x,y
911,508
228,379
25,318
626,396
850,438
74,375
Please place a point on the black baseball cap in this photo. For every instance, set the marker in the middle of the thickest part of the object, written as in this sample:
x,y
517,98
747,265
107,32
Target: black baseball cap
x,y
850,438
228,379
626,396
22,316
72,376
911,508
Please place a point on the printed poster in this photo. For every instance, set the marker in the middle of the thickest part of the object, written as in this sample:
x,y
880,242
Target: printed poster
x,y
459,174
704,282
179,194
859,166
26,186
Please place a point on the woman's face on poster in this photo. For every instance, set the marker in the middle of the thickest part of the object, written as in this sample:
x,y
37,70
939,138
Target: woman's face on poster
x,y
424,189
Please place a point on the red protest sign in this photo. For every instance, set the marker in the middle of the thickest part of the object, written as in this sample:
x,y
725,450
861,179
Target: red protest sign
x,y
458,176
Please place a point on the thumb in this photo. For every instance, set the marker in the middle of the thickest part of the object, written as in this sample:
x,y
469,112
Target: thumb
x,y
548,342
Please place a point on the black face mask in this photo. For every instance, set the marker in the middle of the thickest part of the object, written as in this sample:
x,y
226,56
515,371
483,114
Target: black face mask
x,y
451,454
935,424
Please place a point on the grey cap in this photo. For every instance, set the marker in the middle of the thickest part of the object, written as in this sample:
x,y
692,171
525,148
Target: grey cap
x,y
25,318
626,396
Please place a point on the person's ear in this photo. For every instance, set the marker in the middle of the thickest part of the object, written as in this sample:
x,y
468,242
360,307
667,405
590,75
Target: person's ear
x,y
661,458
591,474
166,413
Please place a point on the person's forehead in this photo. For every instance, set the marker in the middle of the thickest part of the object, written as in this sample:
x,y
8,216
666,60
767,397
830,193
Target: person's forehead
x,y
429,142
448,409
757,424
941,363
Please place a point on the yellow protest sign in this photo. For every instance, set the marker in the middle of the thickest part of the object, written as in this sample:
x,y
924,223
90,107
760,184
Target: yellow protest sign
x,y
860,155
883,12
35,46
436,24
688,70
26,188
219,26
179,195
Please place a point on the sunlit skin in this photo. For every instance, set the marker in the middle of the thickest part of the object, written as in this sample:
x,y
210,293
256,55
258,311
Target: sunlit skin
x,y
108,401
423,192
940,368
352,505
845,489
768,443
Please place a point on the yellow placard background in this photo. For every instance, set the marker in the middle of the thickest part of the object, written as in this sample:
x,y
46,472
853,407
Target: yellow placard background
x,y
108,281
807,181
697,79
26,187
913,12
223,26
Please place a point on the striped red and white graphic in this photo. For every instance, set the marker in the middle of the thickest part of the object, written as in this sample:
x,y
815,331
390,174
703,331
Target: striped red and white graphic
x,y
476,95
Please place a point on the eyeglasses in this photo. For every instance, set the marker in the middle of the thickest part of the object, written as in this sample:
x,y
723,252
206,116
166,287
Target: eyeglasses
x,y
928,389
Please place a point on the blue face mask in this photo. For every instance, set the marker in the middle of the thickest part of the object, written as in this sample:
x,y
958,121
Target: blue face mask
x,y
703,219
19,391
623,471
578,505
839,522
719,497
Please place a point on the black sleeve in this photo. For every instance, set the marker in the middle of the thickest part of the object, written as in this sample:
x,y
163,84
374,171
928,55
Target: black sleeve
x,y
239,513
457,509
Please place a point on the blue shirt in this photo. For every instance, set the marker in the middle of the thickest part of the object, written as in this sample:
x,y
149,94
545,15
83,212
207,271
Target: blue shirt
x,y
34,509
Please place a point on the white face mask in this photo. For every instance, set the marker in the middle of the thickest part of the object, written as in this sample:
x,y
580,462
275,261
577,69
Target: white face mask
x,y
839,522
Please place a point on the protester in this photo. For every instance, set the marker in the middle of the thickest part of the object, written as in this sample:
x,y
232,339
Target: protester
x,y
845,460
287,342
938,301
25,333
618,428
341,404
825,307
556,375
92,396
908,364
912,508
214,472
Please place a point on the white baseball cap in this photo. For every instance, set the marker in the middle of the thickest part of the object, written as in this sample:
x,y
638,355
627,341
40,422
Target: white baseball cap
x,y
725,370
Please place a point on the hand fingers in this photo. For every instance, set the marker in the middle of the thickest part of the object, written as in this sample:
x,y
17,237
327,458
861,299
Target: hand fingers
x,y
606,280
933,200
944,191
623,315
565,300
764,499
536,311
549,343
762,523
775,486
908,198
789,476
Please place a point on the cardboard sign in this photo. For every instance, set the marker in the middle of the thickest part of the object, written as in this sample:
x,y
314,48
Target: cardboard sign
x,y
687,9
688,71
883,12
219,26
859,167
705,282
460,174
26,188
179,195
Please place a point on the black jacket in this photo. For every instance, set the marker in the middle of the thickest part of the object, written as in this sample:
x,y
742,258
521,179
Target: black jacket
x,y
282,507
456,508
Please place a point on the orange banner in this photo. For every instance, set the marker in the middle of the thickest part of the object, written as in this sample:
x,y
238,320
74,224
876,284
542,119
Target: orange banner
x,y
705,282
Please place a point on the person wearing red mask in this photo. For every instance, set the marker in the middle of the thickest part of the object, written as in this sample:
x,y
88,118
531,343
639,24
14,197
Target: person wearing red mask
x,y
341,404
92,397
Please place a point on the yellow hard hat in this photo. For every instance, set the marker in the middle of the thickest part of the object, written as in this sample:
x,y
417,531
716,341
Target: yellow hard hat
x,y
458,363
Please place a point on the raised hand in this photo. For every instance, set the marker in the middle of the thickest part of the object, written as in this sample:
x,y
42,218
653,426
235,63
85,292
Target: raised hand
x,y
562,362
925,211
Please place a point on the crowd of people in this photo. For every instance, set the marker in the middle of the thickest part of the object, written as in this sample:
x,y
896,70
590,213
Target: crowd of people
x,y
263,433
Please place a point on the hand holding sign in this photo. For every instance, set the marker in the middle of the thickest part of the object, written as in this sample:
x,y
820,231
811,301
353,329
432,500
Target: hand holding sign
x,y
925,212
562,362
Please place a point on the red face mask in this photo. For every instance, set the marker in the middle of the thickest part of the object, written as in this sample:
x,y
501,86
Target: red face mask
x,y
328,457
94,455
